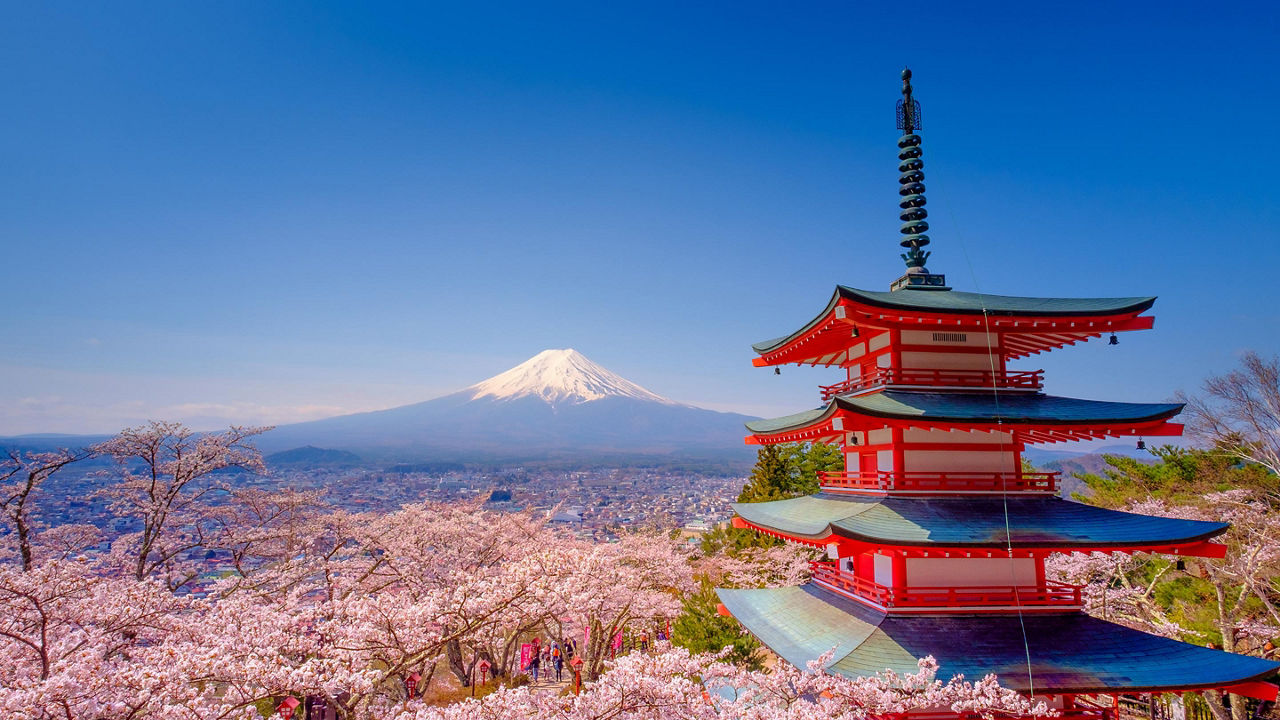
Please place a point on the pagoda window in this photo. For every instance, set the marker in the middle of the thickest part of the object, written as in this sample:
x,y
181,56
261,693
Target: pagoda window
x,y
953,451
918,359
884,461
948,339
882,570
880,436
857,351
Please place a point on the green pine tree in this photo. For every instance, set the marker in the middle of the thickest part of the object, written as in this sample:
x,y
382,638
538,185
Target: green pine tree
x,y
701,628
781,472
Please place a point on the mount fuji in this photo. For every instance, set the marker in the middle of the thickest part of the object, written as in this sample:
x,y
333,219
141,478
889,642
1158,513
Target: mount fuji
x,y
558,405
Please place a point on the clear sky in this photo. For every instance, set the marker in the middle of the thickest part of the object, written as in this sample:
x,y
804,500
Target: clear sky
x,y
266,212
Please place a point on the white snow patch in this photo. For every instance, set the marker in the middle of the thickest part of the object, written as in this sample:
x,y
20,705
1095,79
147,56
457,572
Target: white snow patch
x,y
561,377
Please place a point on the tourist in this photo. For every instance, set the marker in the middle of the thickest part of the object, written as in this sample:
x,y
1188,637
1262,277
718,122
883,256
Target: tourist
x,y
534,664
557,661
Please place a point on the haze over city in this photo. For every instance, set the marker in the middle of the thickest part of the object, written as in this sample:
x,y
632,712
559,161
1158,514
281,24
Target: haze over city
x,y
240,213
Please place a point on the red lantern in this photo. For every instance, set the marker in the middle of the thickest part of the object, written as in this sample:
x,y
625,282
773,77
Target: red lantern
x,y
287,707
577,675
411,684
484,670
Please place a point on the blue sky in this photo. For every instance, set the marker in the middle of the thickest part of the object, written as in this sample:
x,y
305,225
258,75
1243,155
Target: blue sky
x,y
266,212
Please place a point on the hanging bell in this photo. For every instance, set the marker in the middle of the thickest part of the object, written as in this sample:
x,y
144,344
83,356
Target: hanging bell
x,y
777,371
1114,340
1142,445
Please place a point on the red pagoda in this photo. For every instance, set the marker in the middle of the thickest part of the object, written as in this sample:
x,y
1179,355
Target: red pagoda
x,y
936,538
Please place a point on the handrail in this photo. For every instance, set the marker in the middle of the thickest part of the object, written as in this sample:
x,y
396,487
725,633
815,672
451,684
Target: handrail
x,y
1051,594
1009,379
893,481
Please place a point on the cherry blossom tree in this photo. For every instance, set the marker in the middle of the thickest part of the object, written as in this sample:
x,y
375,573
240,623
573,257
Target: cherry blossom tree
x,y
161,464
1242,597
256,527
776,566
1239,412
323,602
21,475
674,684
597,590
79,645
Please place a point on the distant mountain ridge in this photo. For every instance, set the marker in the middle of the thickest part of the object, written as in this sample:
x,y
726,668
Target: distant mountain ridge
x,y
556,405
311,456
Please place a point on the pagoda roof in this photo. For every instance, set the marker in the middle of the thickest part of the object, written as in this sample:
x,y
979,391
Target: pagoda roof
x,y
1090,317
958,522
980,408
1063,652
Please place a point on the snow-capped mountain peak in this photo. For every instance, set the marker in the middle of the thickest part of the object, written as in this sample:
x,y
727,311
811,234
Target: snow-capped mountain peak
x,y
561,377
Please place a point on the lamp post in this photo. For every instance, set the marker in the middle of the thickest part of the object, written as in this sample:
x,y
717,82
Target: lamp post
x,y
286,708
484,670
411,684
577,675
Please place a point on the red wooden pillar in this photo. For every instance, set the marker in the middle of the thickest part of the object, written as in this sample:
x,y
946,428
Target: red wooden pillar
x,y
899,570
899,453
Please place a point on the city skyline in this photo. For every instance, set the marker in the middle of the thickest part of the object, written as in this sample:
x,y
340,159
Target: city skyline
x,y
245,214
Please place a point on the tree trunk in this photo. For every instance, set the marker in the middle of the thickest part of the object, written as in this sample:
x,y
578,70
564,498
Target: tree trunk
x,y
1227,629
453,650
1217,704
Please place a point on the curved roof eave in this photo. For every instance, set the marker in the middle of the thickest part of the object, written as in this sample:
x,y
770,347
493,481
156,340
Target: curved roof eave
x,y
1069,652
965,303
770,426
1005,408
768,346
987,522
976,407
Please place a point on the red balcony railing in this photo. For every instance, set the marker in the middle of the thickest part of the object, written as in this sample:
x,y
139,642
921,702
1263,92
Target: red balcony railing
x,y
927,482
1051,594
1008,379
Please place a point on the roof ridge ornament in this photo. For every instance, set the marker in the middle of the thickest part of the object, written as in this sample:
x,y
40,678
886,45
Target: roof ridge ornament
x,y
911,198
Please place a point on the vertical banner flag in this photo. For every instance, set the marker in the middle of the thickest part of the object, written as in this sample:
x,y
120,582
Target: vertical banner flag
x,y
526,655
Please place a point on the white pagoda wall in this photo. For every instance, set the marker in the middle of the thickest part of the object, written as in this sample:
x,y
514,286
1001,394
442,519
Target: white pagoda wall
x,y
984,452
970,572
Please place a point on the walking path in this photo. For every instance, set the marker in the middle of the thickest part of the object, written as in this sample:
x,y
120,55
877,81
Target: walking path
x,y
552,687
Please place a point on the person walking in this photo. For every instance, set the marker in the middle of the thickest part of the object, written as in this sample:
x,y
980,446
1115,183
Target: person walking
x,y
534,664
557,661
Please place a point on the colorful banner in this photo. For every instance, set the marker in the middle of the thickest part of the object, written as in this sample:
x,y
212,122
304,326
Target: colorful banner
x,y
526,655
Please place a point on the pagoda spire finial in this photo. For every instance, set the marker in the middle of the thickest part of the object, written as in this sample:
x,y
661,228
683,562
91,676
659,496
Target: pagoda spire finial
x,y
911,200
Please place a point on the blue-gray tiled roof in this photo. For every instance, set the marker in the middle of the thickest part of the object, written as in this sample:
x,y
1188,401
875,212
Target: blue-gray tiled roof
x,y
1070,652
978,521
965,303
975,303
1006,407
